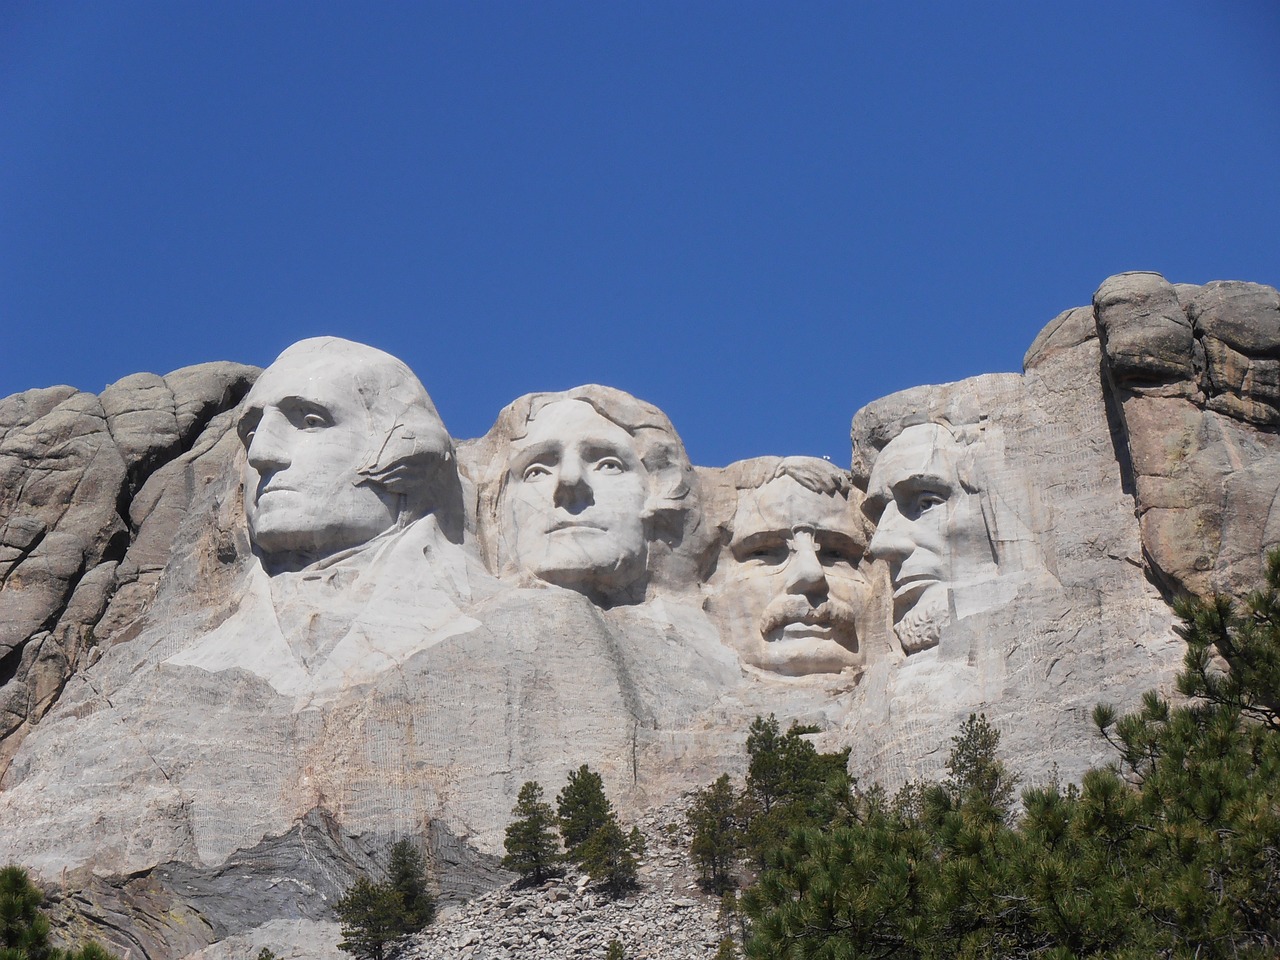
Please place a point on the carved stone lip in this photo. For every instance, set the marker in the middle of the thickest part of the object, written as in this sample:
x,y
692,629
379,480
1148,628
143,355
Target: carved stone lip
x,y
276,488
912,586
575,525
801,630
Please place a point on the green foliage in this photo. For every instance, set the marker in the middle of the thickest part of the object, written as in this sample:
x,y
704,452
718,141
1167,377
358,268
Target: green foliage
x,y
371,915
1174,853
377,918
611,857
407,876
89,951
592,835
532,848
266,953
790,785
716,823
614,951
582,809
24,929
978,776
727,950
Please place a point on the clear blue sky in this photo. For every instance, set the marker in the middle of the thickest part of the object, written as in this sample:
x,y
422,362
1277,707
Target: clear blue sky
x,y
757,216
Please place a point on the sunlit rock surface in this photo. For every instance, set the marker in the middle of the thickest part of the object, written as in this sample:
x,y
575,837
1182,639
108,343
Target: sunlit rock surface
x,y
256,627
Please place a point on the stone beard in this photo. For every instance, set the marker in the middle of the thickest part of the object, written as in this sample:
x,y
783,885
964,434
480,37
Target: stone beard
x,y
788,581
930,530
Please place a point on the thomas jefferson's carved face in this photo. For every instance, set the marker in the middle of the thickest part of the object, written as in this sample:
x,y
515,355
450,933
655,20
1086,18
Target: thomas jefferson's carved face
x,y
306,433
790,589
575,500
930,530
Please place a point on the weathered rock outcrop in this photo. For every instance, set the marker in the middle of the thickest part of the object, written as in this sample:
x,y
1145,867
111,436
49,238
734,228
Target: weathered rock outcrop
x,y
253,629
1195,375
70,466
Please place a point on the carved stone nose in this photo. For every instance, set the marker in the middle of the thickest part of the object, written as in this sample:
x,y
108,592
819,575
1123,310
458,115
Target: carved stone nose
x,y
572,488
268,450
804,569
890,541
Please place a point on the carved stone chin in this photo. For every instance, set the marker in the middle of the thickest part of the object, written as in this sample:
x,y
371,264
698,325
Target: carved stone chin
x,y
921,626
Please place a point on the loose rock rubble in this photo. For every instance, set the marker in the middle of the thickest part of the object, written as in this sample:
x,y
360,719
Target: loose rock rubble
x,y
668,918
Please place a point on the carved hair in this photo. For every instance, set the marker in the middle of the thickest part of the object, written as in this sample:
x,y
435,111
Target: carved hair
x,y
815,475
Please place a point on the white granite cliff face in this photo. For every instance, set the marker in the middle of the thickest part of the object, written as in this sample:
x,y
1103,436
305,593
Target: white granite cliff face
x,y
257,627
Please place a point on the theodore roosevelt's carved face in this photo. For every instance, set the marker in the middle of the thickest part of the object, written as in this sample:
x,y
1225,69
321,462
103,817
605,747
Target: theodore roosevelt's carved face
x,y
789,587
307,431
929,530
575,500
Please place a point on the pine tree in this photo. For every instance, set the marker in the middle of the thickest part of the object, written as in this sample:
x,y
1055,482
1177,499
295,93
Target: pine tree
x,y
24,929
614,951
582,809
372,919
978,775
532,849
377,918
611,857
790,785
407,875
715,821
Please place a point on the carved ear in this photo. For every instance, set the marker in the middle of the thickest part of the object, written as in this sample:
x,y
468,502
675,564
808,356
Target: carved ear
x,y
416,446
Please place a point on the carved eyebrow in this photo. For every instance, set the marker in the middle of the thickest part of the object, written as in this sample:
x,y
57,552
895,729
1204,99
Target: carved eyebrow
x,y
838,540
923,480
306,403
249,420
598,451
758,539
545,451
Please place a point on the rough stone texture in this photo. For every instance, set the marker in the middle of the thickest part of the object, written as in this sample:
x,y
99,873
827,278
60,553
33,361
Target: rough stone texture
x,y
1048,629
205,744
70,463
1195,373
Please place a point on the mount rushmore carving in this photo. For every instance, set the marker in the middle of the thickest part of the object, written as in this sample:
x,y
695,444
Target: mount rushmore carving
x,y
258,625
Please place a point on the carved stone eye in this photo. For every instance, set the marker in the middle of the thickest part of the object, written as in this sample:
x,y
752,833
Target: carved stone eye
x,y
535,471
767,554
611,465
829,556
929,499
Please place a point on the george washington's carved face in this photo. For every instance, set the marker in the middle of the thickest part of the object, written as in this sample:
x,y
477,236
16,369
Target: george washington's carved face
x,y
306,433
575,500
